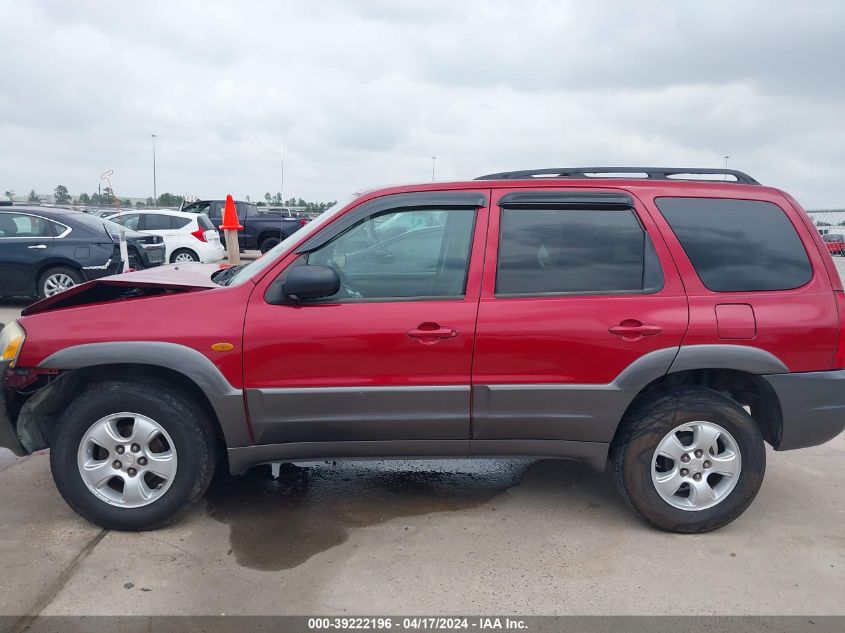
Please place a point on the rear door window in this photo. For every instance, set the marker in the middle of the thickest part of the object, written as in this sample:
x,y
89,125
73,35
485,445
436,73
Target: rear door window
x,y
156,222
738,245
574,251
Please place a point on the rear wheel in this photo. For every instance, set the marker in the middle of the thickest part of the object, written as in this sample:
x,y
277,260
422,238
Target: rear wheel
x,y
267,243
183,255
56,280
132,455
690,461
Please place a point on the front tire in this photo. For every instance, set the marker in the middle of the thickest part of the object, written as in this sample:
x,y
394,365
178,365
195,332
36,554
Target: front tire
x,y
132,455
690,461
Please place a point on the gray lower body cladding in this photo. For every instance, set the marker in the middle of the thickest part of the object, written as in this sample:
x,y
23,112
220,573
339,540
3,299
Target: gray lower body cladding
x,y
812,406
353,414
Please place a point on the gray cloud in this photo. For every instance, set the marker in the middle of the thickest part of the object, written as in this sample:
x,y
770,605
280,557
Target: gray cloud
x,y
365,93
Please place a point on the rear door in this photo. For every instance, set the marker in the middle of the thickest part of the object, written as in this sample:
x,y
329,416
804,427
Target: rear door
x,y
25,241
579,289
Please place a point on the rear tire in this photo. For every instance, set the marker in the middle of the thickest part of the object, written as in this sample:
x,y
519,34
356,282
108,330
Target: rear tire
x,y
97,481
267,243
56,280
183,255
679,423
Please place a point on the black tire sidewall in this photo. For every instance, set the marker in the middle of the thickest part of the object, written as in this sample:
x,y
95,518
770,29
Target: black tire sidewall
x,y
70,272
175,413
635,462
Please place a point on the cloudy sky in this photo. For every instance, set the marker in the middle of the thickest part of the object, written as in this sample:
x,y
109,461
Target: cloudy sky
x,y
365,92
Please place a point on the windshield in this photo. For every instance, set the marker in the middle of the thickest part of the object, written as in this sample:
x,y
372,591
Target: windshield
x,y
270,257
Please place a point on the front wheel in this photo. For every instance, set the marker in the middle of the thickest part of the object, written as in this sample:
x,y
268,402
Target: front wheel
x,y
132,455
691,461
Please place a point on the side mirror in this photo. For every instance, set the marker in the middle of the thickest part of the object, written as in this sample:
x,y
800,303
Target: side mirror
x,y
304,283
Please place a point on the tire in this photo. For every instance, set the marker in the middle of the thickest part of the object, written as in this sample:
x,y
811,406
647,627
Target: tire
x,y
637,463
183,255
267,243
54,278
189,438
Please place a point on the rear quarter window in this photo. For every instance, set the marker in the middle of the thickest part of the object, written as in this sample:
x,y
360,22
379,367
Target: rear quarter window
x,y
204,223
738,245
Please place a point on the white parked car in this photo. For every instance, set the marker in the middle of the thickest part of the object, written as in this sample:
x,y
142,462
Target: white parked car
x,y
189,237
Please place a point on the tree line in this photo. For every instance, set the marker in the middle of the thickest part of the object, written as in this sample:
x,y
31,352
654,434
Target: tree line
x,y
107,198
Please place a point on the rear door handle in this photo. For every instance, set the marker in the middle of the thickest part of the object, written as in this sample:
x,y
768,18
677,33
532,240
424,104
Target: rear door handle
x,y
429,332
38,246
632,330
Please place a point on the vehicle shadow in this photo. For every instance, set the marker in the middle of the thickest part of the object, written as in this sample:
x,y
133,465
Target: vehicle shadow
x,y
280,522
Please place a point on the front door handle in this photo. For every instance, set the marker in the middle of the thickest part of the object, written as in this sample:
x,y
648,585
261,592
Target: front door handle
x,y
634,330
429,332
38,246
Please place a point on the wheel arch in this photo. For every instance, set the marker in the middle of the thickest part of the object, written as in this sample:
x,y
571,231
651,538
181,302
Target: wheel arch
x,y
185,367
735,371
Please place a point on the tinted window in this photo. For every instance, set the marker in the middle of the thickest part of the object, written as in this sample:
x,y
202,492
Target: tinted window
x,y
177,222
204,223
22,225
156,222
738,245
566,250
411,253
833,237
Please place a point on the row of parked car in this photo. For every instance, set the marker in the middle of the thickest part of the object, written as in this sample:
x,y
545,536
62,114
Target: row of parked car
x,y
46,250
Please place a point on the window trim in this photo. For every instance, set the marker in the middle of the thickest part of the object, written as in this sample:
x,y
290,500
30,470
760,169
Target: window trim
x,y
648,241
445,200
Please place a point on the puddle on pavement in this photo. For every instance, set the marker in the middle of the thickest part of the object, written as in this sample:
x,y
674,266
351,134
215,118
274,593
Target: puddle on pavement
x,y
280,522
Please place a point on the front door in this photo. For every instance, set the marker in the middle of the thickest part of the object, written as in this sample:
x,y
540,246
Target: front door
x,y
387,358
579,292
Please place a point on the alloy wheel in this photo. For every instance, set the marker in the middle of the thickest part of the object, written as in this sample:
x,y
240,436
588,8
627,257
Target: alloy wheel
x,y
696,466
56,283
127,460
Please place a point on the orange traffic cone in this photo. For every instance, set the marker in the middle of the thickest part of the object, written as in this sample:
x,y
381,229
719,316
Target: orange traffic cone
x,y
231,225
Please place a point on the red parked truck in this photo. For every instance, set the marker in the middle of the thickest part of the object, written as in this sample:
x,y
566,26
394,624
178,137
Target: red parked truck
x,y
667,324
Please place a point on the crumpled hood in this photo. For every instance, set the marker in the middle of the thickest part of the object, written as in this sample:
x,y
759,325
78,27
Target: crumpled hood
x,y
149,282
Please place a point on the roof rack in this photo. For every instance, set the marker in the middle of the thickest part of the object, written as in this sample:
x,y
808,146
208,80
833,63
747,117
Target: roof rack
x,y
646,173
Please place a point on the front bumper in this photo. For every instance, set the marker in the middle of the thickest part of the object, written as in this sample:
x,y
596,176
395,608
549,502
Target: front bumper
x,y
8,434
812,405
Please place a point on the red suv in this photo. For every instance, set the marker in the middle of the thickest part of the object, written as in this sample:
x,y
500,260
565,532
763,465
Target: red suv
x,y
668,324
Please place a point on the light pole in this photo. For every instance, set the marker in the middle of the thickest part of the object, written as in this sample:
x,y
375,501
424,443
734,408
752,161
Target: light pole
x,y
726,166
282,183
433,160
155,193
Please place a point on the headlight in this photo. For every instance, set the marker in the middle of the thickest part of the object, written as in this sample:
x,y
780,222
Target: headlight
x,y
11,341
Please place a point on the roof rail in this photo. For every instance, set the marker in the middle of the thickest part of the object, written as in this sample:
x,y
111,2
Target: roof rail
x,y
646,173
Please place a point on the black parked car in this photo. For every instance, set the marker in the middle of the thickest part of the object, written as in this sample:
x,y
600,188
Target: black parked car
x,y
44,250
260,232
